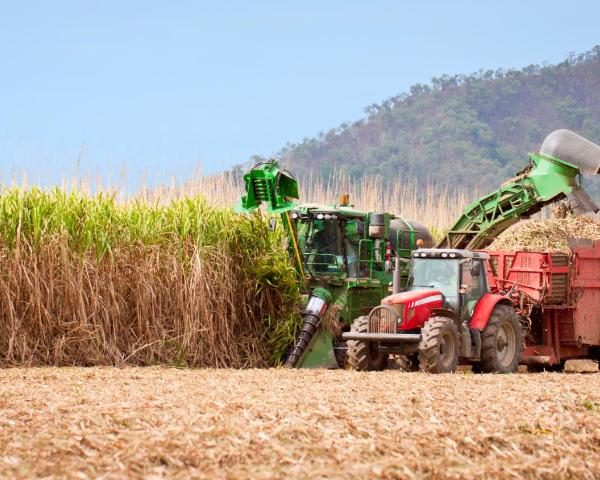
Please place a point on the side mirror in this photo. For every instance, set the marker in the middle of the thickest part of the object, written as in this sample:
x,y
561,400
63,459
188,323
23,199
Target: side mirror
x,y
476,269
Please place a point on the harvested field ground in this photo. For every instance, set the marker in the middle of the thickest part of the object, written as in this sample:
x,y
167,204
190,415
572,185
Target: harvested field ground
x,y
155,422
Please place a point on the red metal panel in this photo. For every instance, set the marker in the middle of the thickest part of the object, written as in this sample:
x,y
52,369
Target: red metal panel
x,y
564,289
533,274
417,306
524,271
483,310
585,292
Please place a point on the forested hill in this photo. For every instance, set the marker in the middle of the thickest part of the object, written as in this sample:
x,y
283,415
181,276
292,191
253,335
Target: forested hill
x,y
464,130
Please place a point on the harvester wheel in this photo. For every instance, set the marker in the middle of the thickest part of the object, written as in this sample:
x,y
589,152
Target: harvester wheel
x,y
438,349
361,355
501,341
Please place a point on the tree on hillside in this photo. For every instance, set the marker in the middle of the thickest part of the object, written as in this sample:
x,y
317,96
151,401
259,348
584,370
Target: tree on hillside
x,y
467,130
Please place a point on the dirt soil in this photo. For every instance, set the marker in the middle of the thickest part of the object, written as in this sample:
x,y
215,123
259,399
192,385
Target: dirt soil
x,y
166,422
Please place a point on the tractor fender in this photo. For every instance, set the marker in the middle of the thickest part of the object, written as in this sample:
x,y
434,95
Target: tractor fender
x,y
446,312
484,308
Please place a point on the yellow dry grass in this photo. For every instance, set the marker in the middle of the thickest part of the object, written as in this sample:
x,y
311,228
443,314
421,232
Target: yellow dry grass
x,y
160,422
434,205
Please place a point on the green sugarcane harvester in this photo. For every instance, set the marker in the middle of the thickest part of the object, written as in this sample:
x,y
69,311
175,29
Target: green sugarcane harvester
x,y
343,256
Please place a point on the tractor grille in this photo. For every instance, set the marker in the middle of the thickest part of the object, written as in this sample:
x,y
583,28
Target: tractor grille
x,y
383,319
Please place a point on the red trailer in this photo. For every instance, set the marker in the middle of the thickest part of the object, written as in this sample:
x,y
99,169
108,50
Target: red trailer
x,y
558,298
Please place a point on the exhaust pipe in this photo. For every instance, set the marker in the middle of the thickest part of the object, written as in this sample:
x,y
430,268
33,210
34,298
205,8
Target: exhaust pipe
x,y
396,278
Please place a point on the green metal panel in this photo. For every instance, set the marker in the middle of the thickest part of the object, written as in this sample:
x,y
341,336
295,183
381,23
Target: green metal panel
x,y
267,182
319,353
361,300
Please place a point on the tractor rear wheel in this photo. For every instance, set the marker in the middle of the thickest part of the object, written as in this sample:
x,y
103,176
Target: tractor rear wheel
x,y
438,349
361,355
501,341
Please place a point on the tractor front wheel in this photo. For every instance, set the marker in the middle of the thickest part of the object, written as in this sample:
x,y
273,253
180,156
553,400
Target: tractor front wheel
x,y
361,355
438,349
501,341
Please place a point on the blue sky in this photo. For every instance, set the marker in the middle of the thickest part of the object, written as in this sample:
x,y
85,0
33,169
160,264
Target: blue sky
x,y
161,88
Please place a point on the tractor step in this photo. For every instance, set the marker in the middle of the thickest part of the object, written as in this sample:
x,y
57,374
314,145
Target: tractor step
x,y
383,337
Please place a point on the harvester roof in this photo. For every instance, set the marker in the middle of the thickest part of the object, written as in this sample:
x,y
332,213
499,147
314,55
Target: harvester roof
x,y
315,208
445,253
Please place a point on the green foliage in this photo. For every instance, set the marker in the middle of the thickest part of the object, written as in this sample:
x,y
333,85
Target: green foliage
x,y
468,131
98,229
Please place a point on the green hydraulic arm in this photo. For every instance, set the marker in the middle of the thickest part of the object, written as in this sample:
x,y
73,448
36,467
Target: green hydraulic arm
x,y
268,183
545,180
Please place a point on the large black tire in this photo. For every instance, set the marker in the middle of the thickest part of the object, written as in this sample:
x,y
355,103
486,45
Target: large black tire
x,y
361,355
438,349
501,341
339,351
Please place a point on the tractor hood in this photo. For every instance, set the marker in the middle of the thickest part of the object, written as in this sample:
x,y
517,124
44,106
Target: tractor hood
x,y
414,307
415,298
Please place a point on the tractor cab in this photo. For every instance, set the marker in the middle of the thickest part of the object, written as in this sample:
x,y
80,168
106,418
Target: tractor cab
x,y
459,275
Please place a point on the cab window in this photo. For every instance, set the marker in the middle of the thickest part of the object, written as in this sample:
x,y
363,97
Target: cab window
x,y
473,286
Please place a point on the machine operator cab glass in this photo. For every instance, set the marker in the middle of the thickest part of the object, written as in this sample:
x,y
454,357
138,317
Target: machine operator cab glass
x,y
472,285
331,243
460,280
321,243
439,274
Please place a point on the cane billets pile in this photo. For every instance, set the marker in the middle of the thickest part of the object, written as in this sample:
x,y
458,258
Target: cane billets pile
x,y
547,235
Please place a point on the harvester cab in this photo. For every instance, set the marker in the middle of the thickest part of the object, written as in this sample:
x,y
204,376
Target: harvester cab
x,y
342,256
447,312
347,262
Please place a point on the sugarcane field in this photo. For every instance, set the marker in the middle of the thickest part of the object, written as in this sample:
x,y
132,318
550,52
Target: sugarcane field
x,y
188,292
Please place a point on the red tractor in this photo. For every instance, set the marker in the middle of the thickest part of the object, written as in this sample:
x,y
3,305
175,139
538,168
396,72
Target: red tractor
x,y
447,313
